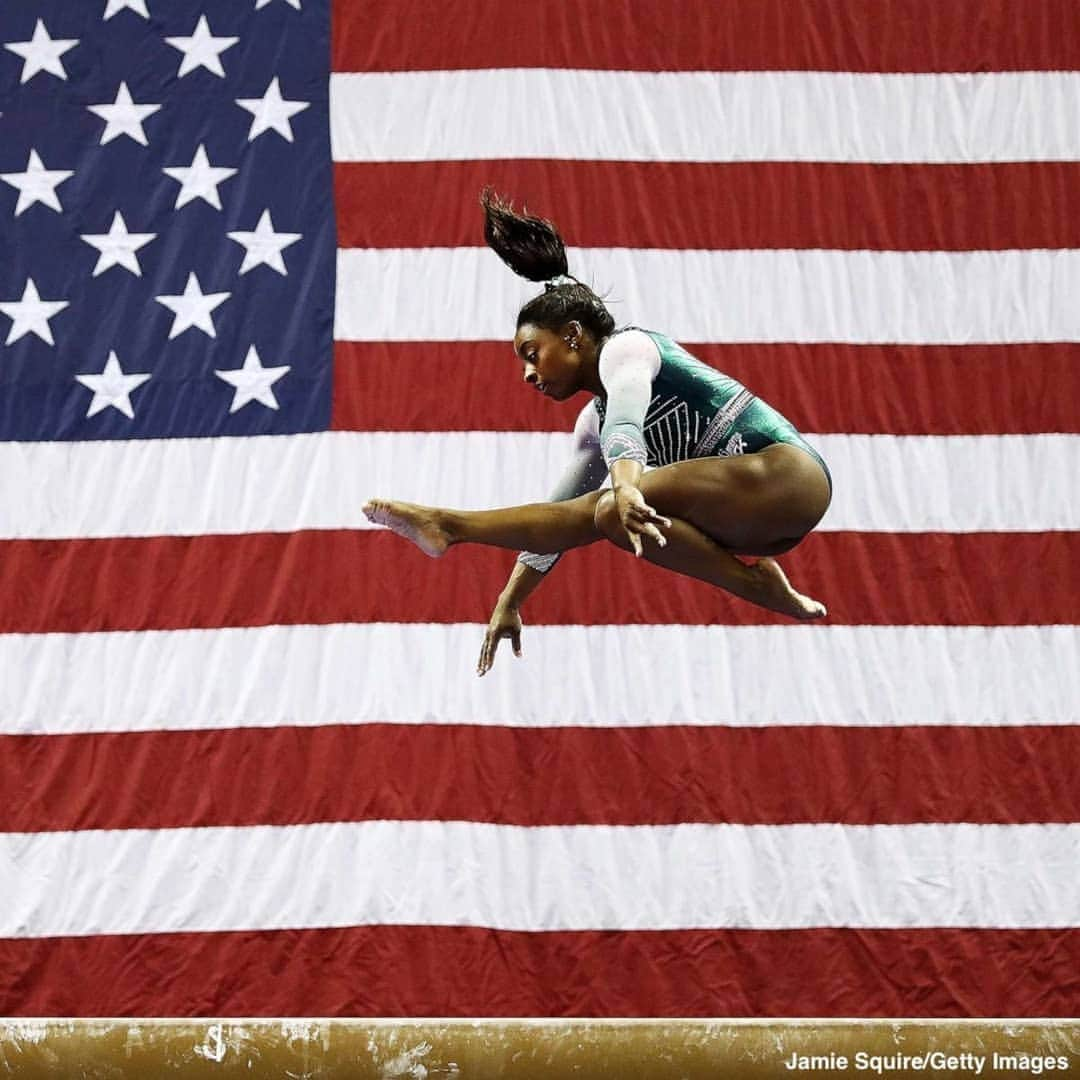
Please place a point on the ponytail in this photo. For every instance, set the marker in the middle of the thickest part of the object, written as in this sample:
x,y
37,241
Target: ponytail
x,y
530,246
533,249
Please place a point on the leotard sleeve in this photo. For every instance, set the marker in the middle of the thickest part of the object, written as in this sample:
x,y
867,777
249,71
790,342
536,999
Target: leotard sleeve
x,y
629,363
584,472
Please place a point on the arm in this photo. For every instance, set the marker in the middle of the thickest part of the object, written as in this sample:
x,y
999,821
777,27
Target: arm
x,y
628,365
584,472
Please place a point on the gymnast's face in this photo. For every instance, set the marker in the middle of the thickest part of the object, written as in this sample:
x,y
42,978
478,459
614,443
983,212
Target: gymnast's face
x,y
551,359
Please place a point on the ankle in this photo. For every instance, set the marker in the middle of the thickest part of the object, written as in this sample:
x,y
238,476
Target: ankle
x,y
763,584
449,524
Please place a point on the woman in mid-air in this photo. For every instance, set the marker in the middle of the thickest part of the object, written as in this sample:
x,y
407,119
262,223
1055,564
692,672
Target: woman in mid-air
x,y
730,475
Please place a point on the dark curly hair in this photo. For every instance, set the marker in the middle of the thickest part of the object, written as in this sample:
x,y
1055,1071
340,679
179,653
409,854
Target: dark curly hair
x,y
533,249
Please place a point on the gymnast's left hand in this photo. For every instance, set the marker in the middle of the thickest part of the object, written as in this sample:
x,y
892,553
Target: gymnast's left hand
x,y
638,518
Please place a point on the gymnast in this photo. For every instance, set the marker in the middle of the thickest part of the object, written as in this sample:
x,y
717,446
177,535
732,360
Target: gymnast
x,y
730,476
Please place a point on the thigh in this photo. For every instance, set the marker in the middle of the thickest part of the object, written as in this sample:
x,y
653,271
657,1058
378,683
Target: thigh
x,y
760,504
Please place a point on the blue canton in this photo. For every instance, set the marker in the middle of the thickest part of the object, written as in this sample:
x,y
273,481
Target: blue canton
x,y
167,230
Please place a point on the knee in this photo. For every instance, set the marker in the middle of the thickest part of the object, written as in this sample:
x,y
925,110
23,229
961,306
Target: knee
x,y
606,516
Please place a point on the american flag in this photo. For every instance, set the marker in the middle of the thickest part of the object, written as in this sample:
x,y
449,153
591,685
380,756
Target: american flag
x,y
246,767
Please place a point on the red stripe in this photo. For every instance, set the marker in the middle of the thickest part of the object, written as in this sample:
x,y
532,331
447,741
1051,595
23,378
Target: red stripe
x,y
723,35
565,776
463,971
171,583
857,389
727,205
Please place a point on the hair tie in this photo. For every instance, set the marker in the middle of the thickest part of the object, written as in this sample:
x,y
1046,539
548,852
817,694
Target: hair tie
x,y
557,280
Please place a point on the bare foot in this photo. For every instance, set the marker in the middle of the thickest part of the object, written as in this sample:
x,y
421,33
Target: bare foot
x,y
780,596
416,523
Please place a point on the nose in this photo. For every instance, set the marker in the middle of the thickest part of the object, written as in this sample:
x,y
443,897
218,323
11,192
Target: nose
x,y
530,375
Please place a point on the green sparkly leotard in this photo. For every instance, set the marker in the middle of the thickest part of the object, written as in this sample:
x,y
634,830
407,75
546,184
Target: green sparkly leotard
x,y
697,411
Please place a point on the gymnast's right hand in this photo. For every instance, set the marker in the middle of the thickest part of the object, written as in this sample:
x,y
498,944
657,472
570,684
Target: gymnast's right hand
x,y
505,622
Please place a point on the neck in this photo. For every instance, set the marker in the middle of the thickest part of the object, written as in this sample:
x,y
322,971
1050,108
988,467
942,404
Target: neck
x,y
590,366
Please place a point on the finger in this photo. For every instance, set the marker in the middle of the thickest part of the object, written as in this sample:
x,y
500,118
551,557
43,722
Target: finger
x,y
515,641
487,654
649,514
654,533
644,512
635,542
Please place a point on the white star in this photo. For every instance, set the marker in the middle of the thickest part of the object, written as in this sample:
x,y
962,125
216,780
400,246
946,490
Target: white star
x,y
193,308
112,387
138,6
271,111
202,49
37,184
264,246
124,117
31,314
263,3
42,53
199,180
253,382
118,246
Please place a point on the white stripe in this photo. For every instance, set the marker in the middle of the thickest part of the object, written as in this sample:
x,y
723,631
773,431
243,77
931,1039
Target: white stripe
x,y
804,295
587,877
278,483
751,676
705,116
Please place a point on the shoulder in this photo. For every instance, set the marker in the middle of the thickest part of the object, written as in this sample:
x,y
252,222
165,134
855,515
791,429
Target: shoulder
x,y
630,349
629,342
